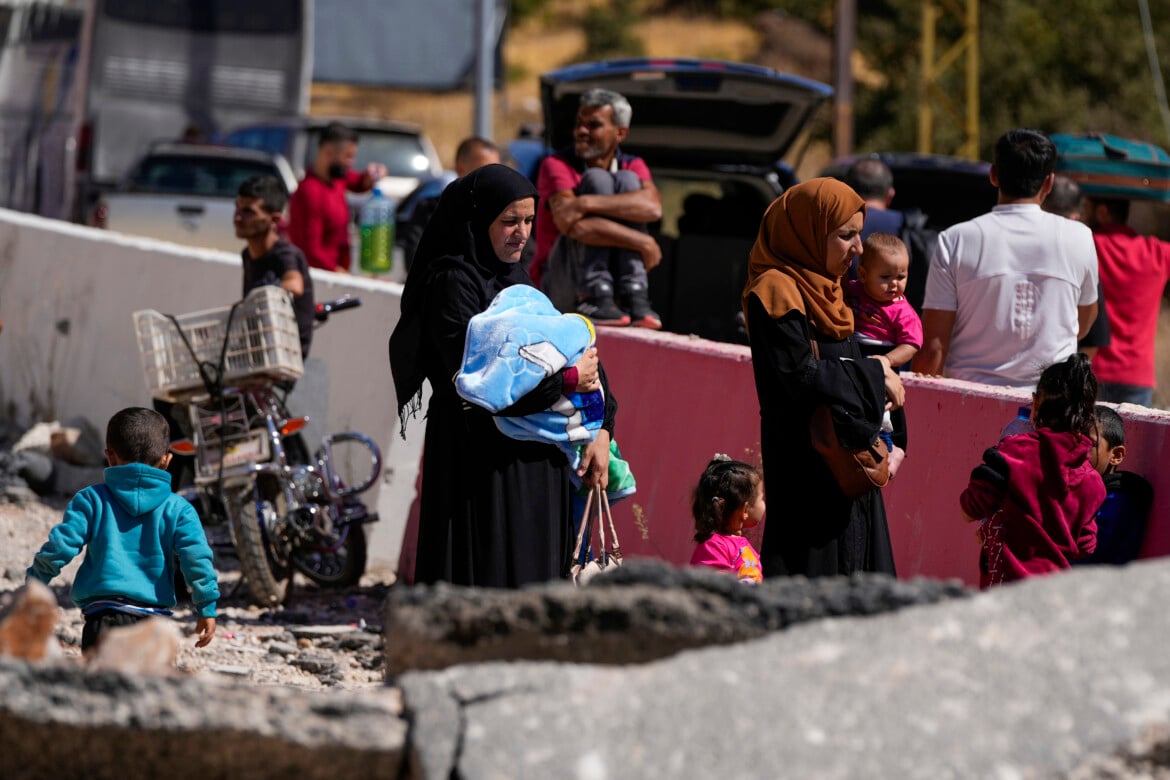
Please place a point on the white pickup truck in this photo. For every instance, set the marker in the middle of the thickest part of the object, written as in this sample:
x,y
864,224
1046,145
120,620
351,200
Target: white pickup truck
x,y
186,193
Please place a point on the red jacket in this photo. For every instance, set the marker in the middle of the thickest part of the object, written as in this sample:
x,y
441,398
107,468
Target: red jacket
x,y
1039,495
319,218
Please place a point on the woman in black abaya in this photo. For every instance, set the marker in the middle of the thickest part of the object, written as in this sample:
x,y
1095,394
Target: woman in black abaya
x,y
793,297
494,511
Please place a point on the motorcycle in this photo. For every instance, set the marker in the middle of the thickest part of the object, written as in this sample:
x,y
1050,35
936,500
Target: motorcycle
x,y
286,510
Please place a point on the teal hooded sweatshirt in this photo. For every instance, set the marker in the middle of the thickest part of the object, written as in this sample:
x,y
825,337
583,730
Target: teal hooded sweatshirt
x,y
132,527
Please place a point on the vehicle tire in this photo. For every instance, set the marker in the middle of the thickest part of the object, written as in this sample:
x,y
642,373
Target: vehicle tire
x,y
339,568
267,582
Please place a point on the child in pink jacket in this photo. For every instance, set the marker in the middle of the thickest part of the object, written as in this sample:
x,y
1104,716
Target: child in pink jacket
x,y
1037,492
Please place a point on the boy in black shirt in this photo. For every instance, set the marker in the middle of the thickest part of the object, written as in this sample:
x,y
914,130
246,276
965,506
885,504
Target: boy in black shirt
x,y
268,258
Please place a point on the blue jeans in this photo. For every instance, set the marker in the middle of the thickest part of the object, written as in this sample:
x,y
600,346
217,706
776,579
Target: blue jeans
x,y
601,262
1116,393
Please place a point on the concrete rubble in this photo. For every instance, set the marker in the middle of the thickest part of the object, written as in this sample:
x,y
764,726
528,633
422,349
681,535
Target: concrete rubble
x,y
150,647
27,624
643,611
60,721
1065,676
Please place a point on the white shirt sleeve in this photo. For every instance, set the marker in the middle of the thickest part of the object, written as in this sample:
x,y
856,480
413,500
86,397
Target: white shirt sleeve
x,y
1089,285
940,279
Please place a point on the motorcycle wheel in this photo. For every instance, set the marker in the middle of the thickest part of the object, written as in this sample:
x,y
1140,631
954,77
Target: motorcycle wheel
x,y
335,568
267,579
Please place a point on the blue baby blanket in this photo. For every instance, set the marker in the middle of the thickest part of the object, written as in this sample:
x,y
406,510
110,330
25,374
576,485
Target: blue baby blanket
x,y
513,346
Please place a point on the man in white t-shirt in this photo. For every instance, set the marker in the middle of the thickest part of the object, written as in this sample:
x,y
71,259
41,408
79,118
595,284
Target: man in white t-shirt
x,y
1010,292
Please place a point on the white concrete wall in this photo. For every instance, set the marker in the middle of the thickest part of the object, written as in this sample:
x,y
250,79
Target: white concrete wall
x,y
68,346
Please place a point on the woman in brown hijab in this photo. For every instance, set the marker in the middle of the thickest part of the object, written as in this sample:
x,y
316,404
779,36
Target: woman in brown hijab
x,y
793,296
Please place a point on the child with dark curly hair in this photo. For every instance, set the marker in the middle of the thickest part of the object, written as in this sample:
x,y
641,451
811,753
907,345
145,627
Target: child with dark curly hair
x,y
728,499
1038,490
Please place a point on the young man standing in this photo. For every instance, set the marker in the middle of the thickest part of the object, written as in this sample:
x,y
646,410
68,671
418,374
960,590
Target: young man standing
x,y
595,203
1010,292
318,214
268,258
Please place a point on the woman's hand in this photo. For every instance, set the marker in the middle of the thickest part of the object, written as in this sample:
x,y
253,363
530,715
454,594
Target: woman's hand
x,y
594,468
895,393
588,376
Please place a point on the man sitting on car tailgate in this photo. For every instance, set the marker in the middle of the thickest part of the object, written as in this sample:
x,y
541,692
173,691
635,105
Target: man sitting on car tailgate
x,y
595,203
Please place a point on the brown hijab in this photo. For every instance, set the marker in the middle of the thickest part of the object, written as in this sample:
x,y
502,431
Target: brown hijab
x,y
787,263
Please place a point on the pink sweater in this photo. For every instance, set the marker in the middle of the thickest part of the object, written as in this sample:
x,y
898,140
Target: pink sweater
x,y
1039,495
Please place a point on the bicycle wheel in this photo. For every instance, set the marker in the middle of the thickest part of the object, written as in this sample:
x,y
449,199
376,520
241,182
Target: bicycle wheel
x,y
248,521
337,565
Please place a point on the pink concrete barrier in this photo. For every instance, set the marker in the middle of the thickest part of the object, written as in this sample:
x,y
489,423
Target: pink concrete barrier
x,y
683,399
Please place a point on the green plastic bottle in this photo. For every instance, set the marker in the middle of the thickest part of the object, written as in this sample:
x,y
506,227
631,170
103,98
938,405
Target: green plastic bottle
x,y
377,229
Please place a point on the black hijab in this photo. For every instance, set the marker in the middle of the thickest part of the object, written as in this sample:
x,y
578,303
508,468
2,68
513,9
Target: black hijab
x,y
456,238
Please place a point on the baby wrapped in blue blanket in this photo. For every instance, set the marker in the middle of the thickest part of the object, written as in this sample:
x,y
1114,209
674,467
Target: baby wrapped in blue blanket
x,y
514,345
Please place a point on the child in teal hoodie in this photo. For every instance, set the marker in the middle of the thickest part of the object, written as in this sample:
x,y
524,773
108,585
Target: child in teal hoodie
x,y
132,528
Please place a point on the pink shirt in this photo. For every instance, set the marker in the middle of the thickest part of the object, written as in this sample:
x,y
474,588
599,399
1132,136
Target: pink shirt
x,y
885,324
558,174
734,554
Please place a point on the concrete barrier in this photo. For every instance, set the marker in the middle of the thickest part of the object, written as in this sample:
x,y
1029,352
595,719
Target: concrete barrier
x,y
68,348
681,404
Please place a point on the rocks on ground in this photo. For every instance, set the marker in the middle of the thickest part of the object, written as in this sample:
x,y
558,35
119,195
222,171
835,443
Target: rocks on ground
x,y
317,639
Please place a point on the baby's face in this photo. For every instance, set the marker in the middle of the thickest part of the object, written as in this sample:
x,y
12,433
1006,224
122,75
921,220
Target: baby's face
x,y
883,274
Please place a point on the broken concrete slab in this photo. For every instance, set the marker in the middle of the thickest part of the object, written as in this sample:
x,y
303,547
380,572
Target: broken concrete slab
x,y
61,721
1059,676
643,611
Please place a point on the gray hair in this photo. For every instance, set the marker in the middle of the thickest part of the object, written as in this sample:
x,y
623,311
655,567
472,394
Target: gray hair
x,y
596,98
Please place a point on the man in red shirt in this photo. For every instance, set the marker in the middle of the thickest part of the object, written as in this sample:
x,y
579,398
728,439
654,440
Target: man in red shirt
x,y
595,203
1134,271
318,213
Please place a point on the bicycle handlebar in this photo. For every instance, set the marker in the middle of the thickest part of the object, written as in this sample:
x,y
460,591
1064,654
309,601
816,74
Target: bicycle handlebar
x,y
324,309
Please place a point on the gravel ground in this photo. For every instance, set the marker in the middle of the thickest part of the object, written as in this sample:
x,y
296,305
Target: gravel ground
x,y
316,639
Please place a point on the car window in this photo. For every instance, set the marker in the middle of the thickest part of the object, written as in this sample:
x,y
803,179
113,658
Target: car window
x,y
723,206
192,175
401,153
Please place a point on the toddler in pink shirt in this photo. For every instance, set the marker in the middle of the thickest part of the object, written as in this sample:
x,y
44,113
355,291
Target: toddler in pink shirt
x,y
884,322
728,499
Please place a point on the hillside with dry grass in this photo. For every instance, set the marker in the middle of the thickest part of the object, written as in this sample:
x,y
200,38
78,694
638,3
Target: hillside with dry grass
x,y
541,44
